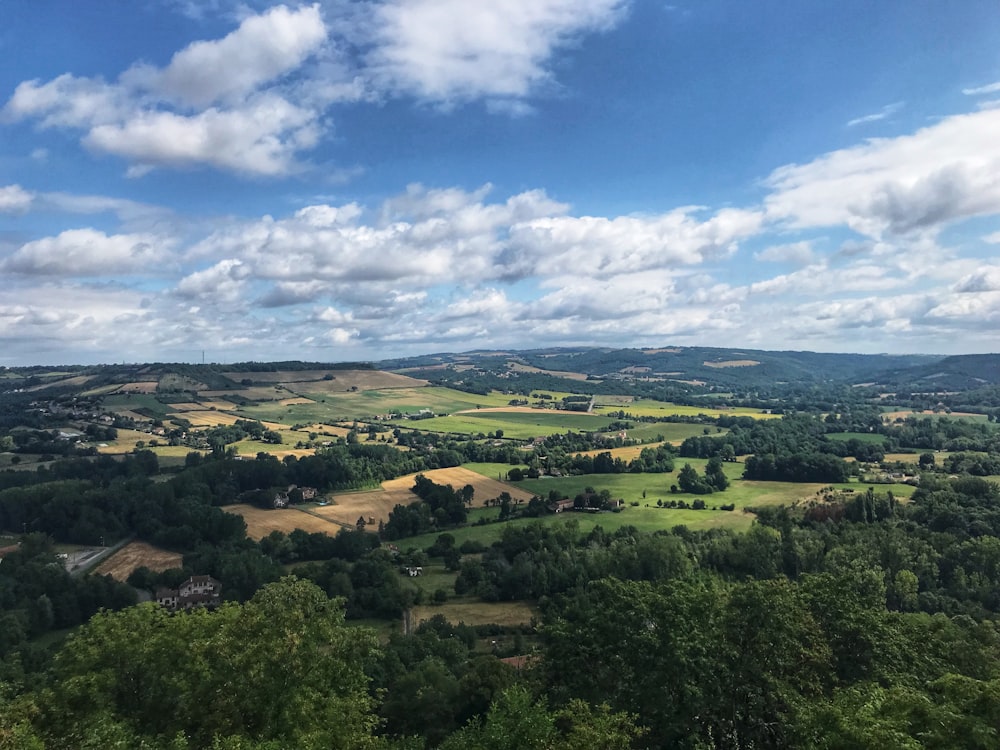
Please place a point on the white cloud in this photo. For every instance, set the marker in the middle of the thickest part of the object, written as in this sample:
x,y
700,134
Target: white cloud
x,y
452,51
230,109
14,199
912,183
88,252
263,48
797,253
983,280
990,88
993,238
886,111
260,138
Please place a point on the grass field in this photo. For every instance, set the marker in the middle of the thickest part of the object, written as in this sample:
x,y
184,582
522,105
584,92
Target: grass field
x,y
341,380
520,425
135,555
475,612
672,432
647,516
863,437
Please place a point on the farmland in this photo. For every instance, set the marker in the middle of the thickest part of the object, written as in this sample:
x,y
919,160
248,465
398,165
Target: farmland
x,y
138,554
261,522
521,425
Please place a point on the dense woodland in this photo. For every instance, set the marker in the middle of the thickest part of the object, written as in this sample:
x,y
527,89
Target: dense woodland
x,y
862,621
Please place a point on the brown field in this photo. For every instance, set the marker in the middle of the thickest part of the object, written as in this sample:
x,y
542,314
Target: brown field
x,y
146,386
478,613
733,363
376,504
661,351
518,367
207,418
135,555
220,404
262,522
625,454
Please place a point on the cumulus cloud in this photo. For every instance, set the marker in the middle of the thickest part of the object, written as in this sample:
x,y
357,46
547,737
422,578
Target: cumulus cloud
x,y
262,49
255,100
88,252
453,51
797,253
219,103
14,199
896,186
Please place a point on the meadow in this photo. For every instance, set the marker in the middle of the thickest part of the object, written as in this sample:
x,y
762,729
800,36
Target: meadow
x,y
520,425
650,408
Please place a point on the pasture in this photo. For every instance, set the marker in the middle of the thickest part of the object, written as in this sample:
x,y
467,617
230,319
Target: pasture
x,y
135,555
520,425
339,407
340,380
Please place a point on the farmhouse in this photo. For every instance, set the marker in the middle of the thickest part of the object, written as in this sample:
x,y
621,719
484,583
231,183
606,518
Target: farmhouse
x,y
196,591
560,505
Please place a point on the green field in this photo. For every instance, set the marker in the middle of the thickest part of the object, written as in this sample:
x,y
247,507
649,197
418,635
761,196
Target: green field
x,y
336,407
134,401
863,437
519,425
671,431
647,516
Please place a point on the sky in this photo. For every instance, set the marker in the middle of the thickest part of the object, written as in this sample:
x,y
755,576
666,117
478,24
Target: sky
x,y
356,180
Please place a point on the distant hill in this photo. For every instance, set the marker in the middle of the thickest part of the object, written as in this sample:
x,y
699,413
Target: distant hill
x,y
721,367
955,373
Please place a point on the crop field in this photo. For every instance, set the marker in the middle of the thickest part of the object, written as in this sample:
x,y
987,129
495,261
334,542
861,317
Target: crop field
x,y
474,612
262,522
188,406
650,408
135,555
207,418
732,363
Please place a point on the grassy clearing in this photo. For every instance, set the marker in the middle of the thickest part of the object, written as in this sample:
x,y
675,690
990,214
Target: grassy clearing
x,y
138,554
474,612
862,437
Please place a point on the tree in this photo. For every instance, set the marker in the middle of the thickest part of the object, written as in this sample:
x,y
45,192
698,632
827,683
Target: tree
x,y
715,476
281,667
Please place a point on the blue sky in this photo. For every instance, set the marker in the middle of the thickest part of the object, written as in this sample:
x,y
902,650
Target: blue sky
x,y
356,180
